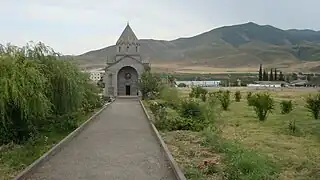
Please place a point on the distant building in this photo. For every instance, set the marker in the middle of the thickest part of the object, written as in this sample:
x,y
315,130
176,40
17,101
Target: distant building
x,y
95,75
199,83
268,84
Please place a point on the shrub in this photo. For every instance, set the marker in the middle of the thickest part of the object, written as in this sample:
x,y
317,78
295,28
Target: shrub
x,y
286,106
190,108
158,110
313,105
224,98
171,96
263,104
203,95
149,84
249,95
292,126
182,85
237,96
197,91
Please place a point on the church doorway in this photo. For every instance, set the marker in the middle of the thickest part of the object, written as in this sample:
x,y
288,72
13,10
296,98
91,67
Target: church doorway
x,y
127,81
127,90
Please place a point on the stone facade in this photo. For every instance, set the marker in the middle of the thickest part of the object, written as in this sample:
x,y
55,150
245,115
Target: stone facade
x,y
125,67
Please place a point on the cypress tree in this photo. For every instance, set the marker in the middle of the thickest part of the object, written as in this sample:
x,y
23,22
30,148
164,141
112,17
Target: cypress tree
x,y
265,75
275,74
260,73
271,75
281,76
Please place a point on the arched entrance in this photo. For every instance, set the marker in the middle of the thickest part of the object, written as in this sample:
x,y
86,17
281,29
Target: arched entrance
x,y
127,80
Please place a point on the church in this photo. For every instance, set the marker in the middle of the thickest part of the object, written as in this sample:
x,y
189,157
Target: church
x,y
124,66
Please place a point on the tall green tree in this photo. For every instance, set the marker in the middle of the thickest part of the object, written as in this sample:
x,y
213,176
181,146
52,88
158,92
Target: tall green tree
x,y
260,73
271,75
265,75
281,76
149,84
36,89
275,75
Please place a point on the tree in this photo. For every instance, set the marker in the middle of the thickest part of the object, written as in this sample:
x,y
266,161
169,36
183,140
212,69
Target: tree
x,y
275,75
281,76
265,75
309,77
40,92
149,84
260,73
294,76
271,75
171,80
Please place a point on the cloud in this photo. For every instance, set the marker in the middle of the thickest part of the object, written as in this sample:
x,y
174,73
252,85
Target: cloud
x,y
76,26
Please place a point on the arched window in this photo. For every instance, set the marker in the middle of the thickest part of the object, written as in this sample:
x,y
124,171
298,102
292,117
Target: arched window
x,y
127,48
136,48
119,48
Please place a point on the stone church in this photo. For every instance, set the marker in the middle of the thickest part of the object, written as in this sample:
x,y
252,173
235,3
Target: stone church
x,y
124,66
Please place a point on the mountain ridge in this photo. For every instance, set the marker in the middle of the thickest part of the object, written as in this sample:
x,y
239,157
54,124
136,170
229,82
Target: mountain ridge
x,y
227,46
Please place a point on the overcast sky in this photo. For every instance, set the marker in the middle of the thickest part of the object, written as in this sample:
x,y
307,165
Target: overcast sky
x,y
77,26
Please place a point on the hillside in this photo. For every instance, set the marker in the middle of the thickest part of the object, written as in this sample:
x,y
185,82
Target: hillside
x,y
227,47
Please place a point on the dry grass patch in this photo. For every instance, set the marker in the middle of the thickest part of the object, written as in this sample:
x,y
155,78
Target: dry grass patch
x,y
192,157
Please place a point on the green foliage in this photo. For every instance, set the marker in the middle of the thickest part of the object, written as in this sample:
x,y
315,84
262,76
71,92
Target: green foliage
x,y
286,106
313,105
159,111
197,91
224,98
192,115
171,96
241,163
190,108
182,85
237,96
262,104
38,90
249,95
149,84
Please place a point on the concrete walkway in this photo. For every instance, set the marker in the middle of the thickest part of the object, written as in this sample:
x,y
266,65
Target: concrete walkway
x,y
118,145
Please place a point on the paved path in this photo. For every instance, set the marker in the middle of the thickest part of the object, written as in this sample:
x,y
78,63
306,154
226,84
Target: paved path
x,y
118,145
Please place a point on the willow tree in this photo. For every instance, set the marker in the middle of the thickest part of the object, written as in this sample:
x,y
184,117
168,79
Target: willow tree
x,y
36,87
23,102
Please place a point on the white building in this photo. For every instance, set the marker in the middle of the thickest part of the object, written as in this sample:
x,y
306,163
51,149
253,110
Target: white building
x,y
200,83
95,75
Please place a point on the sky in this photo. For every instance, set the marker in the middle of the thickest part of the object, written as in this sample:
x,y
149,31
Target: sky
x,y
74,27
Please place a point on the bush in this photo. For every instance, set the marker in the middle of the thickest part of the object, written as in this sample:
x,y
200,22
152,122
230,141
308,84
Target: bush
x,y
313,105
197,91
263,104
249,95
159,111
237,96
182,85
286,106
203,95
171,97
224,98
190,108
149,84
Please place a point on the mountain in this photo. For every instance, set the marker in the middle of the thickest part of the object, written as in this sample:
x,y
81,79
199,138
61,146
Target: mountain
x,y
230,46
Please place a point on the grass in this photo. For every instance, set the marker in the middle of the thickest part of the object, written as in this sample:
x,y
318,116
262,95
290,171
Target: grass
x,y
245,148
14,158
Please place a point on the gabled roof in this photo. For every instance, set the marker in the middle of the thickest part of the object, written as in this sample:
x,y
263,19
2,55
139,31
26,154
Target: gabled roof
x,y
127,36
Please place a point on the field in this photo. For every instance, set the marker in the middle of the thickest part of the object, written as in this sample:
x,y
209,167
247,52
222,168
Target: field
x,y
247,148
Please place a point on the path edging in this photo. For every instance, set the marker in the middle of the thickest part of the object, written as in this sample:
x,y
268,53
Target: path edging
x,y
56,148
177,171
